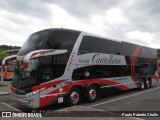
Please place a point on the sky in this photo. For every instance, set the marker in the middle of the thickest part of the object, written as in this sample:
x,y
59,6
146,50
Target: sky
x,y
135,21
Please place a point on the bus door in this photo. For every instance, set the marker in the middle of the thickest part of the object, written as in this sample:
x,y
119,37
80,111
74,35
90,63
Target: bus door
x,y
51,67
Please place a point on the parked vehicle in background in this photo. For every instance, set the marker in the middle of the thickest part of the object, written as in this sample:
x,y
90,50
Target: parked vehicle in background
x,y
1,72
68,65
8,65
8,72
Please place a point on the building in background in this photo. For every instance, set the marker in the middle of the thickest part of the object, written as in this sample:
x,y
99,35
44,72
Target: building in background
x,y
12,52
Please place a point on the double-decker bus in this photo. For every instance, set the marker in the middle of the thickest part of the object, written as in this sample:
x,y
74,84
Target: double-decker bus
x,y
8,65
61,65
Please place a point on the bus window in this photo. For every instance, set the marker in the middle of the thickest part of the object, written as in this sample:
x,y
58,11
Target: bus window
x,y
62,40
10,69
33,42
52,67
89,44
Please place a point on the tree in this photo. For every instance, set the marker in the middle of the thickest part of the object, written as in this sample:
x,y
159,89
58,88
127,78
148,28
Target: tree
x,y
2,54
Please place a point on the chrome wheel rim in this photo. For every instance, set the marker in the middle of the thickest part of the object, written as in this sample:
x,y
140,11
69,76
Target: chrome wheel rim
x,y
142,85
92,93
148,84
74,97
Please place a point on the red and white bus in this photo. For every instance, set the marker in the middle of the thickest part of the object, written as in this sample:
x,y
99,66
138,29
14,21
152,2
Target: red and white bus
x,y
61,65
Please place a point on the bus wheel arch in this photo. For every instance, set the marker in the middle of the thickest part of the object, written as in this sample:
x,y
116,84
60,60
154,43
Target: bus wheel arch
x,y
92,92
74,96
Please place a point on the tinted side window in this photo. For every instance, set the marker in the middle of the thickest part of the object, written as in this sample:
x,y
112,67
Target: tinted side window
x,y
99,71
34,42
62,40
127,49
52,67
91,44
46,64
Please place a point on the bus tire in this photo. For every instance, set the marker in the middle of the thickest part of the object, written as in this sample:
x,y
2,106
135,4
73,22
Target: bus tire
x,y
92,93
142,84
74,97
147,84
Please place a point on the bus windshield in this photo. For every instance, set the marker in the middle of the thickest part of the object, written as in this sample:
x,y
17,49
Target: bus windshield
x,y
34,42
25,77
10,69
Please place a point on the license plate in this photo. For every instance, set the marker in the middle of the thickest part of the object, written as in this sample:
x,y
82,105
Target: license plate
x,y
60,100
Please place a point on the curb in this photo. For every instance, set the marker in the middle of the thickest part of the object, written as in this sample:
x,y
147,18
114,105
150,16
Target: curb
x,y
4,93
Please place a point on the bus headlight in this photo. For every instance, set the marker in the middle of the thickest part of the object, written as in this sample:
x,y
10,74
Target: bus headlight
x,y
32,93
29,94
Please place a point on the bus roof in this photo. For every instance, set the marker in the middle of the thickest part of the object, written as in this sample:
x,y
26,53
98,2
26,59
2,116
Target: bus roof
x,y
90,34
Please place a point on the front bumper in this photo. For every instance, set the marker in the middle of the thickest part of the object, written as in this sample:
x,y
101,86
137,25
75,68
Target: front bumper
x,y
30,102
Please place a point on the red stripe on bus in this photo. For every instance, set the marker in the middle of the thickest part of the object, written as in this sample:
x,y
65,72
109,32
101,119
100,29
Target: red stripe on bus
x,y
154,77
92,81
13,89
45,100
45,51
49,97
47,85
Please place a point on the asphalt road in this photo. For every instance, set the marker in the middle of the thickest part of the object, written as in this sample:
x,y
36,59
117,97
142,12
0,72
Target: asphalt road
x,y
132,100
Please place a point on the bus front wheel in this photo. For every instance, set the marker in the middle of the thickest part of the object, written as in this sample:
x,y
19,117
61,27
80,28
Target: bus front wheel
x,y
147,84
142,84
74,97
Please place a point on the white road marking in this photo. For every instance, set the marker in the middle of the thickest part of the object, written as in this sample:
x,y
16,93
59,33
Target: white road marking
x,y
92,108
4,93
11,106
122,97
66,108
137,118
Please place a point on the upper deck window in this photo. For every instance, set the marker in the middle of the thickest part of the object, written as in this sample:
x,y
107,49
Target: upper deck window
x,y
34,42
60,39
91,44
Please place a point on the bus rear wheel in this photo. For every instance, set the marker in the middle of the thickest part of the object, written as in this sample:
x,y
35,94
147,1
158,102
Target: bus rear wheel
x,y
92,93
147,84
142,84
74,97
